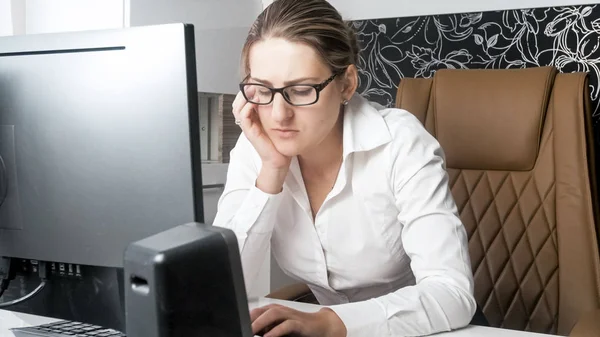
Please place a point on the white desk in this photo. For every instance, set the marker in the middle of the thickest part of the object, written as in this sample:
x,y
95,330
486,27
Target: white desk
x,y
9,319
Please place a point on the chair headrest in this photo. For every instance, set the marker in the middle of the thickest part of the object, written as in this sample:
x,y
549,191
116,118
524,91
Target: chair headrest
x,y
491,119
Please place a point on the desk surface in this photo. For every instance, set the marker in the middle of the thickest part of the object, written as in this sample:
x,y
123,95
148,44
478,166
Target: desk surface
x,y
9,319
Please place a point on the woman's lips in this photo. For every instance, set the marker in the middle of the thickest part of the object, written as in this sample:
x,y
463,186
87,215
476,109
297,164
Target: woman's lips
x,y
285,133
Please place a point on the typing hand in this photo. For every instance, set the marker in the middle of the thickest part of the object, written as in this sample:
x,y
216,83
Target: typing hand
x,y
276,320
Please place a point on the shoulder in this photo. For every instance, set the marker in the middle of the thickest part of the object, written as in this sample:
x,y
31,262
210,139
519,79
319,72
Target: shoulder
x,y
408,136
411,150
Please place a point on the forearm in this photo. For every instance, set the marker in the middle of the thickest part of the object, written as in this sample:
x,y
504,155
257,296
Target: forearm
x,y
249,204
270,179
431,307
252,220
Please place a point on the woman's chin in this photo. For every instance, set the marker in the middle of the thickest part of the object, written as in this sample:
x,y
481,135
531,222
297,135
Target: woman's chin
x,y
288,149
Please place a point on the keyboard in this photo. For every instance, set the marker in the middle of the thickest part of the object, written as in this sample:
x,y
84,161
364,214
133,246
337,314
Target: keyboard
x,y
66,329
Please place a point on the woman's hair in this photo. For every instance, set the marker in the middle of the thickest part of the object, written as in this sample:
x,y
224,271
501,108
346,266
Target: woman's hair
x,y
313,22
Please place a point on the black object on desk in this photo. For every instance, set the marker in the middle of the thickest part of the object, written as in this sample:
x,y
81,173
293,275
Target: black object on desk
x,y
186,281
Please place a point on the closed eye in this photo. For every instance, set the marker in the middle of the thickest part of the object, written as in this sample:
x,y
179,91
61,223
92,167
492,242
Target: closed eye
x,y
302,92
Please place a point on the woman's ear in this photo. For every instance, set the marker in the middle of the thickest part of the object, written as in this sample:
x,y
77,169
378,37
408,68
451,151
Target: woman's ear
x,y
350,82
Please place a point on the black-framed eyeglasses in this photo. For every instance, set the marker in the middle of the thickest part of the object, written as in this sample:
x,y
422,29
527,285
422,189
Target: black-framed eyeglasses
x,y
295,94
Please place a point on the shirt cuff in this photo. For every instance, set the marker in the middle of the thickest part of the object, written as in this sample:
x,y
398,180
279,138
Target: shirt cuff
x,y
363,319
257,204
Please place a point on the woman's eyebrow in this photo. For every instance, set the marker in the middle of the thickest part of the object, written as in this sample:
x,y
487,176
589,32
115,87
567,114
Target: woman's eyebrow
x,y
294,81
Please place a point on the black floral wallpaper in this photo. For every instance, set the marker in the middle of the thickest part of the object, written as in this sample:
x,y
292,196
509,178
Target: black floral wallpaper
x,y
566,37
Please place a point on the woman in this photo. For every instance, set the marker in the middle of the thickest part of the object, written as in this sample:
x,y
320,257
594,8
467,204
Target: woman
x,y
352,198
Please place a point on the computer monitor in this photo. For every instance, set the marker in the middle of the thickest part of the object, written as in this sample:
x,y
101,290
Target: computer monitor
x,y
99,135
100,147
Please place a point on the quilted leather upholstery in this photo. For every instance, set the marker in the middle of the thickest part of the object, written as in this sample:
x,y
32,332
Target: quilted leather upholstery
x,y
532,235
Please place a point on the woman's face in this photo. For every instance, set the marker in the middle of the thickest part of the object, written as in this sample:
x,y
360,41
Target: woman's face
x,y
294,130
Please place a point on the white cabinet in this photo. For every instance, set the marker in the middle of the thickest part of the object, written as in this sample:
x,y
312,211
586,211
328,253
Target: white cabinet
x,y
221,27
6,25
43,16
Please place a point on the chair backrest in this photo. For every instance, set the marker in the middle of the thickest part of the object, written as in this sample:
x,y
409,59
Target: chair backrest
x,y
519,154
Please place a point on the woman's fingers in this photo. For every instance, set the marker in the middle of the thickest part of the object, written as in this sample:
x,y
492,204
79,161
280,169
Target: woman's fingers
x,y
243,111
271,316
255,313
286,328
237,105
247,110
275,320
245,116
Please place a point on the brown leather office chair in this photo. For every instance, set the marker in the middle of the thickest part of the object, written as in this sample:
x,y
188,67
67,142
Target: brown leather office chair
x,y
519,154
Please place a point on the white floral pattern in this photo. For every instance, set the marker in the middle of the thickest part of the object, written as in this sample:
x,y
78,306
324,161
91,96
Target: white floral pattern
x,y
566,37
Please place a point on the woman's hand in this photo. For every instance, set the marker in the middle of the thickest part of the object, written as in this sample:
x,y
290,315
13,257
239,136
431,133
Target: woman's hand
x,y
276,320
246,114
275,166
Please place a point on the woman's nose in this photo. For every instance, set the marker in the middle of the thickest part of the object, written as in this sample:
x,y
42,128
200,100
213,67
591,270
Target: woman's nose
x,y
281,110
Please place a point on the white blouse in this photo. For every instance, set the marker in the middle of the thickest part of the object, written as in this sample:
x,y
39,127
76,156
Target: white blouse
x,y
386,251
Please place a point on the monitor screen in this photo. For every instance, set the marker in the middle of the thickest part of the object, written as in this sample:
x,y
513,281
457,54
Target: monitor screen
x,y
99,141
